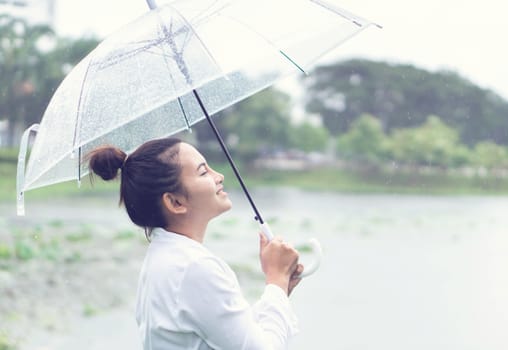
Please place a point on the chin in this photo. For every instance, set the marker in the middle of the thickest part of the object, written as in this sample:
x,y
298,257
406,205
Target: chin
x,y
228,206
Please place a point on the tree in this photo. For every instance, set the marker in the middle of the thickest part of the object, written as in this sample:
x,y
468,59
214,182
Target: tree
x,y
365,141
490,155
256,125
402,96
432,144
30,72
55,65
309,138
19,68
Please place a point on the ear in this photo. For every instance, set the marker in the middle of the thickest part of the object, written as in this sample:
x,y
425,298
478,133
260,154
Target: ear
x,y
173,203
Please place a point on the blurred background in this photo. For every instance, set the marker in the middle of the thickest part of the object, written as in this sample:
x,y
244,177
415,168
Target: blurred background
x,y
393,153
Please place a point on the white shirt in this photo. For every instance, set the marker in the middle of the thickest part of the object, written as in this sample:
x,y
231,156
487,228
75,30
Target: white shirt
x,y
189,298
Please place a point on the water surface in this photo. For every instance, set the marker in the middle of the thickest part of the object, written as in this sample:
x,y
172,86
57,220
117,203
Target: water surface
x,y
399,272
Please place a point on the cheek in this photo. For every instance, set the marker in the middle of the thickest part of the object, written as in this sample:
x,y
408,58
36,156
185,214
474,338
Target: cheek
x,y
201,188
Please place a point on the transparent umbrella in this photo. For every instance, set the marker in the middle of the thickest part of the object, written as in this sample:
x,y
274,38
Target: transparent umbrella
x,y
172,67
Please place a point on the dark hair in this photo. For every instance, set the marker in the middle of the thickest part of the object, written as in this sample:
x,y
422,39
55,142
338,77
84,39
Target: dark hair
x,y
150,171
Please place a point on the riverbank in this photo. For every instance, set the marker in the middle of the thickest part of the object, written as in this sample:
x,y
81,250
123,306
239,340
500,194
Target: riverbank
x,y
322,178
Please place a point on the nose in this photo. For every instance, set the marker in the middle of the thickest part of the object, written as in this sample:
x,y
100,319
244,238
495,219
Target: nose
x,y
219,178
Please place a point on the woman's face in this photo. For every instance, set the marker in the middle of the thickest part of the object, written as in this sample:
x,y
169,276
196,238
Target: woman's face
x,y
203,185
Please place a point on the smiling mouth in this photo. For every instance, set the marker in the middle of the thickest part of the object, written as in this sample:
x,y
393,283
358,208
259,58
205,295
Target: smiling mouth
x,y
221,192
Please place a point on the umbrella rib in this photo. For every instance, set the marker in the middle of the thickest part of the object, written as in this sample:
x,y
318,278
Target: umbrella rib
x,y
293,62
207,16
360,22
286,56
125,55
191,27
180,104
79,108
177,54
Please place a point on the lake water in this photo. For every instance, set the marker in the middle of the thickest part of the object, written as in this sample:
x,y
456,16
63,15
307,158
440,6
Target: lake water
x,y
399,272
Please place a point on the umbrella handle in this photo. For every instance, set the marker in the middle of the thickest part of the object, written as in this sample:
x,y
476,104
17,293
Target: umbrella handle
x,y
312,243
20,176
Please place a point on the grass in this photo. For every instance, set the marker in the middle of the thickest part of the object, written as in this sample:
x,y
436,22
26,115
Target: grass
x,y
318,179
8,186
376,181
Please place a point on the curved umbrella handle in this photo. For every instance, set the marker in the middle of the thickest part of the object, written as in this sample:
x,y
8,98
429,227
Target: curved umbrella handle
x,y
317,251
20,176
312,243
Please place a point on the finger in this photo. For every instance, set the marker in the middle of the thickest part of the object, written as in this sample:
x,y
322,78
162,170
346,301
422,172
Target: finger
x,y
292,284
278,239
288,245
263,241
293,266
297,271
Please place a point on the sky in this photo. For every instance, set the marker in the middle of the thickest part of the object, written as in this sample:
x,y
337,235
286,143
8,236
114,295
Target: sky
x,y
464,36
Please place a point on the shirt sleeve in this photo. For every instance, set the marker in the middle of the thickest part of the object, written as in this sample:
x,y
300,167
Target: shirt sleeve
x,y
211,303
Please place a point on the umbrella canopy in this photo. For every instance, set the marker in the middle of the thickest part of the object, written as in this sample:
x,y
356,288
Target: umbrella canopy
x,y
140,82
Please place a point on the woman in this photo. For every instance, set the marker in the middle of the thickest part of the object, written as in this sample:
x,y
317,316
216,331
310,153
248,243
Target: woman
x,y
188,298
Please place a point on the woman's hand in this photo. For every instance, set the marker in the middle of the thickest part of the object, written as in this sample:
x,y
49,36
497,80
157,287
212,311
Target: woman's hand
x,y
295,278
279,262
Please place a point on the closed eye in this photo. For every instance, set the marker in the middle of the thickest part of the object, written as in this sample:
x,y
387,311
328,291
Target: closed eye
x,y
203,169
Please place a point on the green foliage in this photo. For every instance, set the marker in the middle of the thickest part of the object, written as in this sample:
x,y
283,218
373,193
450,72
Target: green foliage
x,y
6,343
365,141
89,310
490,155
33,62
433,144
308,138
402,96
255,125
8,155
22,69
83,234
24,250
5,251
125,235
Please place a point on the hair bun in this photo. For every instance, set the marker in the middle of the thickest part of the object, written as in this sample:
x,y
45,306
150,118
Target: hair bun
x,y
105,161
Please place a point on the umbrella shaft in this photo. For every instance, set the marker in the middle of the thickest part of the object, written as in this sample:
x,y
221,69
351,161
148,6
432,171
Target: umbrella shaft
x,y
228,156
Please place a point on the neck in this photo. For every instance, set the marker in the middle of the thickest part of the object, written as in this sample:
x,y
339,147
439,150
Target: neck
x,y
194,229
